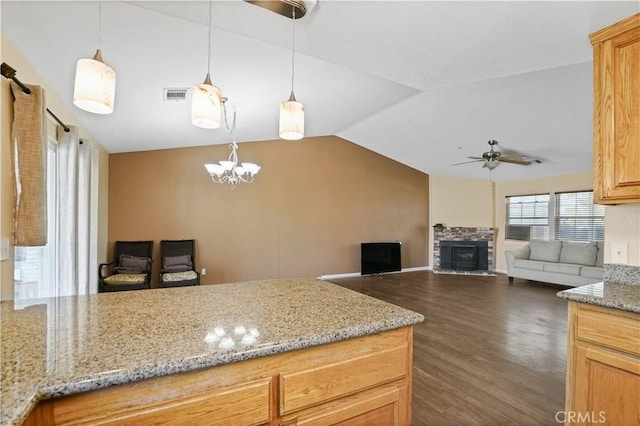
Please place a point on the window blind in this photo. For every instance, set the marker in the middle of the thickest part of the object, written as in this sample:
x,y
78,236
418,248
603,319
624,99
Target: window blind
x,y
527,217
577,218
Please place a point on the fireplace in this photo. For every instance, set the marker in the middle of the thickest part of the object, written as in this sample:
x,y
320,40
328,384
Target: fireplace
x,y
473,254
464,255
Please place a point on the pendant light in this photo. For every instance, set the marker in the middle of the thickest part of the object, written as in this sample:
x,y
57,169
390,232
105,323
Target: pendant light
x,y
205,97
95,83
292,111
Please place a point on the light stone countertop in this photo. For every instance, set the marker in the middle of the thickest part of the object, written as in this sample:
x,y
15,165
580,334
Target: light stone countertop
x,y
622,296
66,345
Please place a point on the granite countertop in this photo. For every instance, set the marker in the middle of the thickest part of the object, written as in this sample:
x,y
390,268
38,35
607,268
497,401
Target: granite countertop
x,y
66,345
625,297
620,289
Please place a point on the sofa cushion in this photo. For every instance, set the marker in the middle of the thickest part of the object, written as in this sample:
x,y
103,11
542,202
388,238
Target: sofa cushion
x,y
528,264
562,268
592,272
600,255
545,251
579,253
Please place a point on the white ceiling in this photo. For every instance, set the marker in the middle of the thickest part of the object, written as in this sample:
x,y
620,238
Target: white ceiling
x,y
422,82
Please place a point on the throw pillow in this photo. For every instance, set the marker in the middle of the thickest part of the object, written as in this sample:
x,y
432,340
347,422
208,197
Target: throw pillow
x,y
183,260
579,253
545,251
138,263
177,268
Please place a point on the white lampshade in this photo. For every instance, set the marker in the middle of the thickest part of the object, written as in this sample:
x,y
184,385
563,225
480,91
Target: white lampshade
x,y
205,105
95,85
227,165
214,169
251,168
291,120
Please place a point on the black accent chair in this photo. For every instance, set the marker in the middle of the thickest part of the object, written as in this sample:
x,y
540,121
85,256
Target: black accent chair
x,y
178,267
130,268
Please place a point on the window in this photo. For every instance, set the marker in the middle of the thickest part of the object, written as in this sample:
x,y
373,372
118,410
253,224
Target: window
x,y
577,218
527,217
35,267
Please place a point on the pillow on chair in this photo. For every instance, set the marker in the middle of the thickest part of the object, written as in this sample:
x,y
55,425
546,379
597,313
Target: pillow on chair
x,y
183,260
132,264
177,263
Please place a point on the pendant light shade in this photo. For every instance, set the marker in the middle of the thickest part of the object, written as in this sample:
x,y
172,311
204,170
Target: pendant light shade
x,y
291,119
206,99
95,85
292,111
205,105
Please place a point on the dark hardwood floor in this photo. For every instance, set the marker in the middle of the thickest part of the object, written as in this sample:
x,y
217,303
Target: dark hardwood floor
x,y
488,352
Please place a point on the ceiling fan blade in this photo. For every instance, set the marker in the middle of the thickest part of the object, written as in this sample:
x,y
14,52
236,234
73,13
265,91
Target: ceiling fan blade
x,y
520,161
467,162
476,158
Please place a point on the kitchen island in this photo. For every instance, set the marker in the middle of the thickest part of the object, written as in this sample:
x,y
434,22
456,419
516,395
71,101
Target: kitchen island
x,y
279,351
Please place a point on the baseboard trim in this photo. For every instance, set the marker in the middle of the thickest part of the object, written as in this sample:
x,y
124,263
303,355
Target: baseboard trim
x,y
357,274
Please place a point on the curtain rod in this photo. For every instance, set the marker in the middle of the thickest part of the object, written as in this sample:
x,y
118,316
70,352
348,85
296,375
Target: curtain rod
x,y
10,73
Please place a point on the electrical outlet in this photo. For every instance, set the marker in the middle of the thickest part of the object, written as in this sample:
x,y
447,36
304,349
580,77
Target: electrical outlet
x,y
203,271
619,253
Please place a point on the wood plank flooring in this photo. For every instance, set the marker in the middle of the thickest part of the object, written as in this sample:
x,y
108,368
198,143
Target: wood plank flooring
x,y
488,352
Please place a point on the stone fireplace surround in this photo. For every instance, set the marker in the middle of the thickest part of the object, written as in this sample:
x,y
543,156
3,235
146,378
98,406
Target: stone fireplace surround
x,y
462,233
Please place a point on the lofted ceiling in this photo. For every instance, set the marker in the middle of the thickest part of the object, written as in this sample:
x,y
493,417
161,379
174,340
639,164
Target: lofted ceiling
x,y
425,83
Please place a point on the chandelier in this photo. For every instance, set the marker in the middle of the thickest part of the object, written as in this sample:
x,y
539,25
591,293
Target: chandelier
x,y
230,171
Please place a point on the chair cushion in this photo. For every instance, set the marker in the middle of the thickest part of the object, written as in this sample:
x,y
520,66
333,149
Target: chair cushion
x,y
179,276
562,268
123,279
528,264
579,253
545,251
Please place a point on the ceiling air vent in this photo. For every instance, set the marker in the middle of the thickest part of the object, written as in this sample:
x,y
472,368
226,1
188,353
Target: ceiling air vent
x,y
174,94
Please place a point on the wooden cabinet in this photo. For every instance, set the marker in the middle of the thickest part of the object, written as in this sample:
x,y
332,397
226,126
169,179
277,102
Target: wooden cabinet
x,y
616,113
603,366
360,381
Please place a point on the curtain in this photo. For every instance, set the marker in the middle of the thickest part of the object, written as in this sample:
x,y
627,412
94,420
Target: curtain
x,y
77,214
29,163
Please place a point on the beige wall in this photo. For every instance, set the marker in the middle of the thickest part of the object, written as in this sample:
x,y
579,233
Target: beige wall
x,y
312,204
459,202
28,74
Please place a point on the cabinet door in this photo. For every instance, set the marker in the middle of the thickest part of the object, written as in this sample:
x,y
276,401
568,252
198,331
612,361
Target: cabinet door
x,y
607,385
384,405
617,113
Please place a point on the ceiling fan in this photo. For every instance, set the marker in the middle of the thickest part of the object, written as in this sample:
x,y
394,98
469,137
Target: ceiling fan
x,y
493,158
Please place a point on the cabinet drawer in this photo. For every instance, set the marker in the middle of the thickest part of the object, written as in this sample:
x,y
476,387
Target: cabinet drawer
x,y
324,383
213,407
608,327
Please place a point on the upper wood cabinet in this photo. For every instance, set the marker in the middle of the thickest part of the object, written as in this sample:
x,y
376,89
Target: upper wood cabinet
x,y
616,112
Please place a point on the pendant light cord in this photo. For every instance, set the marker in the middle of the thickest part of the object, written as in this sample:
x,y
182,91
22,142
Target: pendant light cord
x,y
293,46
209,46
99,23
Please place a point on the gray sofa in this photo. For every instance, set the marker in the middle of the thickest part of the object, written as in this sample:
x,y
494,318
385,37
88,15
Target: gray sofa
x,y
558,262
